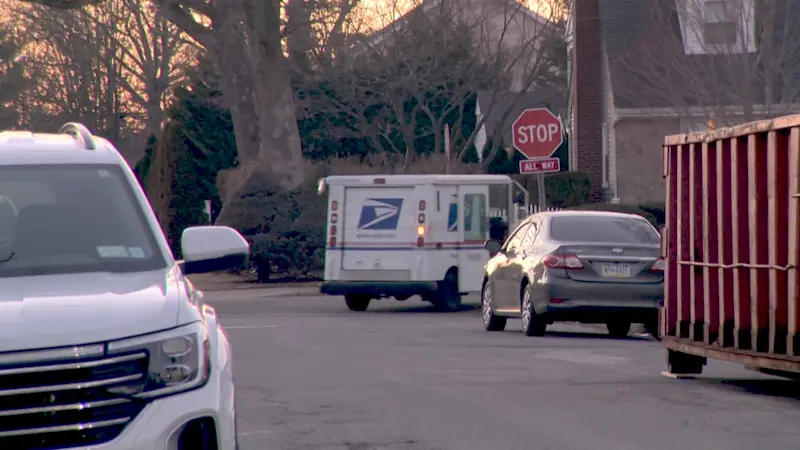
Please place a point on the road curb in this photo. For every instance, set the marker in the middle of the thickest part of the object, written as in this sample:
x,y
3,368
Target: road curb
x,y
269,291
288,292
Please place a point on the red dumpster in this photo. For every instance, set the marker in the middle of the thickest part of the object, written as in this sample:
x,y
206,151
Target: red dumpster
x,y
731,247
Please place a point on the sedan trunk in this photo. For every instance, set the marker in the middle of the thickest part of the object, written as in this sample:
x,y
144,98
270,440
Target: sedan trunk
x,y
612,248
614,263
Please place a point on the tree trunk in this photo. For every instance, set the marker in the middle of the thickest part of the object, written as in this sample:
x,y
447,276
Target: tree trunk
x,y
159,179
257,87
280,151
299,38
155,117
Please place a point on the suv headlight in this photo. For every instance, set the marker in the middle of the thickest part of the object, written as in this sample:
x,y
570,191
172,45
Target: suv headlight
x,y
178,361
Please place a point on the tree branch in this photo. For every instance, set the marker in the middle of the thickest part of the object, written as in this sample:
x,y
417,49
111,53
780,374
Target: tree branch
x,y
183,19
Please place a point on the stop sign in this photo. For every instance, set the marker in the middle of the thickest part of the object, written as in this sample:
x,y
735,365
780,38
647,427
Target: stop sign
x,y
537,133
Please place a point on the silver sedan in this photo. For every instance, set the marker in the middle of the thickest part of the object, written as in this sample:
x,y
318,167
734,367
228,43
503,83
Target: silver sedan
x,y
581,266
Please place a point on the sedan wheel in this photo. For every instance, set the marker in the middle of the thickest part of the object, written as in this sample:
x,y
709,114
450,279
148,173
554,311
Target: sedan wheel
x,y
532,324
491,322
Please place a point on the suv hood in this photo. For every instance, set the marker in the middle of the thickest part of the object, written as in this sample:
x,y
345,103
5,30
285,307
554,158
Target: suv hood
x,y
63,310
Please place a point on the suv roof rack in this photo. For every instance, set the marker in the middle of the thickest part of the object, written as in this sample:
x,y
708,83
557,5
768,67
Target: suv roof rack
x,y
80,133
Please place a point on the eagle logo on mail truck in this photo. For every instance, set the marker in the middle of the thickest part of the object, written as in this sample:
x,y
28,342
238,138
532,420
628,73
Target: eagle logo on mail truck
x,y
452,217
380,214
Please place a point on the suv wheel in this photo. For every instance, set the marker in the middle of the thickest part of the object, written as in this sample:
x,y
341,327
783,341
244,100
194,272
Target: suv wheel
x,y
491,322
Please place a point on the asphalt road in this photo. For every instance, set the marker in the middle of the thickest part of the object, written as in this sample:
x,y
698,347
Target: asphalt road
x,y
312,375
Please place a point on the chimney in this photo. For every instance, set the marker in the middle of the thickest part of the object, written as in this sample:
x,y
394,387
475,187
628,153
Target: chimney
x,y
587,83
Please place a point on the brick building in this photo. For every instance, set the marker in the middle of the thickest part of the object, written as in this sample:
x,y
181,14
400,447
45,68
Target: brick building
x,y
643,69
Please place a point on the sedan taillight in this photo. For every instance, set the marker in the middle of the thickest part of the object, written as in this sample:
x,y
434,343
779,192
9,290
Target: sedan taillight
x,y
562,261
658,266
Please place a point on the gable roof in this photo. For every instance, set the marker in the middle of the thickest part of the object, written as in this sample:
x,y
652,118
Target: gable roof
x,y
650,67
426,6
624,35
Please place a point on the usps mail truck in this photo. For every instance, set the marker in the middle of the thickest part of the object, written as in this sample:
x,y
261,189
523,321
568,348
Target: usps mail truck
x,y
405,235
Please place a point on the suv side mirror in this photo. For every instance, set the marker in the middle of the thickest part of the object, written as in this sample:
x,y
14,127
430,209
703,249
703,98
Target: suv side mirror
x,y
492,246
212,248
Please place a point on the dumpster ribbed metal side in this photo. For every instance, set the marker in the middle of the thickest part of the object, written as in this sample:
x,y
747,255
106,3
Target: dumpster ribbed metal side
x,y
731,244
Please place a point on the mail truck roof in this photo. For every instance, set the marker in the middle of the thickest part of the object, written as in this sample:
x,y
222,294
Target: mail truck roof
x,y
412,180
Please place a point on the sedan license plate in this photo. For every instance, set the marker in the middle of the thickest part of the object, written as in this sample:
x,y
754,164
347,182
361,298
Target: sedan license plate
x,y
617,270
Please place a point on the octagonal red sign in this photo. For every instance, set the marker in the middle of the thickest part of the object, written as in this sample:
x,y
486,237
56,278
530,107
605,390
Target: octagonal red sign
x,y
537,133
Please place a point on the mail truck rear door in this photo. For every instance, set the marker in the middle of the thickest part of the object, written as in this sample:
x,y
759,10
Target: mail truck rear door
x,y
379,228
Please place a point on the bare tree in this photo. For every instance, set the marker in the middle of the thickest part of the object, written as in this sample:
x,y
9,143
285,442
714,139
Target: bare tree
x,y
152,55
244,38
126,55
12,79
403,83
73,65
315,30
729,61
65,4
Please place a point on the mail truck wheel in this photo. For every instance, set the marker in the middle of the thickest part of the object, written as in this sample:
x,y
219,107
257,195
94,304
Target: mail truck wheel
x,y
357,302
447,296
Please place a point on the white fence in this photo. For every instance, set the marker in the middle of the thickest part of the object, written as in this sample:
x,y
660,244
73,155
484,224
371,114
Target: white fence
x,y
532,209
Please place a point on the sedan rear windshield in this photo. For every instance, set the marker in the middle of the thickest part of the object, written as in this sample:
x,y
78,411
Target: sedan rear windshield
x,y
621,230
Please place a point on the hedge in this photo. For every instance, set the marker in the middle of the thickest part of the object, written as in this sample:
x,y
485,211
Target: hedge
x,y
290,239
563,189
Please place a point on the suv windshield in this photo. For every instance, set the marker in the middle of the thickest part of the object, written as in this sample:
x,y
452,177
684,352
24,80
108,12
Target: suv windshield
x,y
616,229
72,219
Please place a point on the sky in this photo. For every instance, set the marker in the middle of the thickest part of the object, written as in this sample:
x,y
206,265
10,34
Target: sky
x,y
380,13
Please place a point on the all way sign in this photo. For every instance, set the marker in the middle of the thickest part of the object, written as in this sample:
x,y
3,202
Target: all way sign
x,y
543,165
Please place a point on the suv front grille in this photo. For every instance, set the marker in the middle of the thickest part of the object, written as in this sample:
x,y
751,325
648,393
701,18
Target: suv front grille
x,y
68,403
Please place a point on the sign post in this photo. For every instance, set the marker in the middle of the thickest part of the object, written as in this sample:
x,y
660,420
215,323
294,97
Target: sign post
x,y
540,187
207,210
447,148
537,134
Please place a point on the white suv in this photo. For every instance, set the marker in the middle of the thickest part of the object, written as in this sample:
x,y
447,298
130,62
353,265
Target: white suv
x,y
104,343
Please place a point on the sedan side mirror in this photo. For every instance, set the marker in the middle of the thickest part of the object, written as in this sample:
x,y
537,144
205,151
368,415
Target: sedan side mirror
x,y
492,246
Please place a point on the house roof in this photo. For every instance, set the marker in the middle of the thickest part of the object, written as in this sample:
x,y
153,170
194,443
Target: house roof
x,y
501,109
650,67
426,5
624,34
